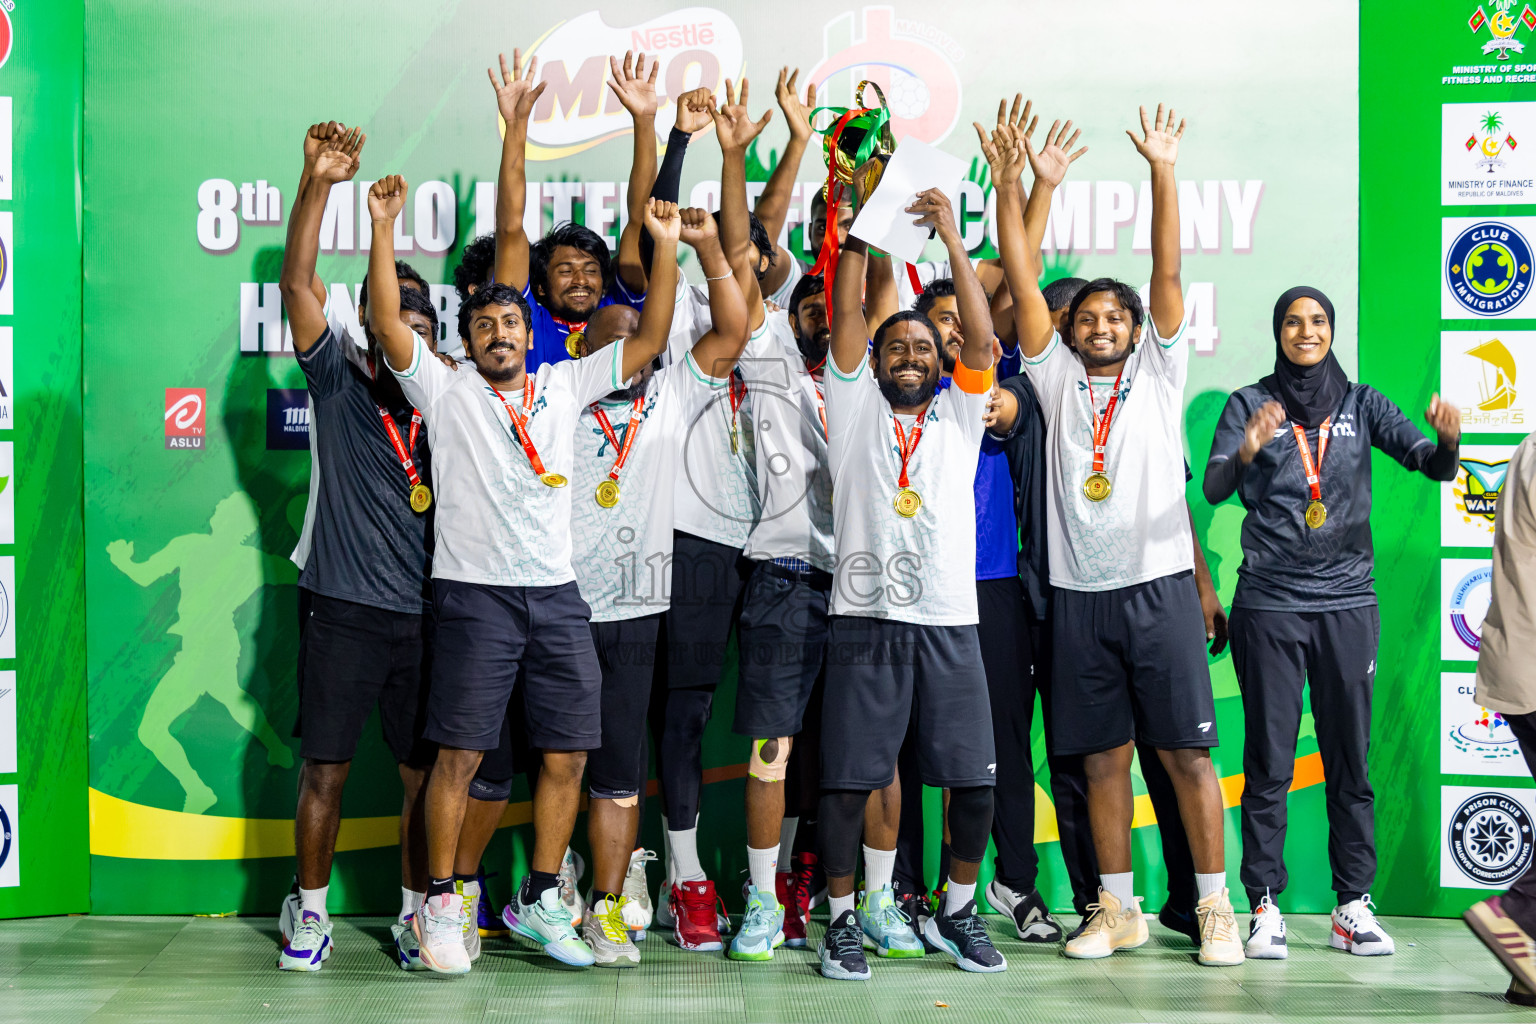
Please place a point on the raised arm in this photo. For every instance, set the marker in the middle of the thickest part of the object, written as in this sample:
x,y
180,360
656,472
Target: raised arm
x,y
1160,146
881,298
650,341
736,131
638,95
385,200
934,211
337,161
773,205
720,347
515,97
314,140
692,116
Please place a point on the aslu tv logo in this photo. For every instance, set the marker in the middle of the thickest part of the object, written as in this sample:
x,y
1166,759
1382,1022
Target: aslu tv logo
x,y
1488,268
185,417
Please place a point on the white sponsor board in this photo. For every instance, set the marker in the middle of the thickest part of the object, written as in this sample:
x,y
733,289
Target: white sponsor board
x,y
10,843
1468,503
1485,836
1466,586
1487,153
1473,739
1486,267
1483,373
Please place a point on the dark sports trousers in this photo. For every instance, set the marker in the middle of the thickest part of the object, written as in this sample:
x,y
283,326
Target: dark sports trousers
x,y
626,651
1334,652
782,641
1520,901
707,582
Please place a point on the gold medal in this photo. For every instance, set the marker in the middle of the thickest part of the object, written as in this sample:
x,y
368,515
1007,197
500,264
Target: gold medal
x,y
907,502
552,480
1317,514
573,343
421,498
1096,487
608,493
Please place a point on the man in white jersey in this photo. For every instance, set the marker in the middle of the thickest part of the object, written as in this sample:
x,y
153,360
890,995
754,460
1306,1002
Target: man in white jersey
x,y
1128,630
505,596
628,447
903,624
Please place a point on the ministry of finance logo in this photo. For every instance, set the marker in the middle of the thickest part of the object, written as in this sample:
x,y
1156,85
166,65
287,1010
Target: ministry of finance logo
x,y
288,419
1489,839
1488,269
1502,26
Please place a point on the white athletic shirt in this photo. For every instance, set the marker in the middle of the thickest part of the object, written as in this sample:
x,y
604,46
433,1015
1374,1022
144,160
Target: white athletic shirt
x,y
920,570
794,478
715,494
496,522
623,554
780,298
1141,531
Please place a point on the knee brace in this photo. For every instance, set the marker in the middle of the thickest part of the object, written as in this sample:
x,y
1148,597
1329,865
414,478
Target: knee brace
x,y
970,822
773,768
842,823
490,790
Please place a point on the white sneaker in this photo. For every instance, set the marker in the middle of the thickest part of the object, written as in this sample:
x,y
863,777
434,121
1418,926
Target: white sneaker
x,y
439,929
637,909
571,870
310,945
1219,944
288,916
407,948
1356,930
607,934
470,891
549,925
1266,933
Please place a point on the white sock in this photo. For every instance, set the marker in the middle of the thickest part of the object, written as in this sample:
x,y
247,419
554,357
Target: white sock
x,y
763,865
878,867
313,900
838,904
685,855
787,832
1122,886
956,896
410,902
1207,884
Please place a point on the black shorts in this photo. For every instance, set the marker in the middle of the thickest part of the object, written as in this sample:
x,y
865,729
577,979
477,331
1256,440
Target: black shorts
x,y
626,650
883,674
707,580
782,642
353,656
484,635
1130,664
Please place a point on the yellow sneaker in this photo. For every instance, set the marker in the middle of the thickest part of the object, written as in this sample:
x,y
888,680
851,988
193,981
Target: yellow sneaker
x,y
1219,945
1110,927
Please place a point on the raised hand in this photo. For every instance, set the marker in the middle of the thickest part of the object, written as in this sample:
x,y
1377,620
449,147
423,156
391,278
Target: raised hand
x,y
693,110
698,227
1005,155
340,156
732,123
1160,142
1445,418
796,114
316,138
662,220
387,197
1266,419
634,90
1051,162
515,91
933,206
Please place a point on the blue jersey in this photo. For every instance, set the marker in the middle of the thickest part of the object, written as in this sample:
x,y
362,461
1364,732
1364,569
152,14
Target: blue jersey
x,y
549,334
997,523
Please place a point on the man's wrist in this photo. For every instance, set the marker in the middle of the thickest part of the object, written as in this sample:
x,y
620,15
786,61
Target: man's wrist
x,y
678,137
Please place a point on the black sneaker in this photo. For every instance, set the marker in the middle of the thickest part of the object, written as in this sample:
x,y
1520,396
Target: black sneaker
x,y
964,937
1180,920
918,910
1031,918
1081,925
842,950
1519,994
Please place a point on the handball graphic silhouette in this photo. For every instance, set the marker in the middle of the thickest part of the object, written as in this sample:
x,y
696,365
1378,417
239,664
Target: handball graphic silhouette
x,y
1490,269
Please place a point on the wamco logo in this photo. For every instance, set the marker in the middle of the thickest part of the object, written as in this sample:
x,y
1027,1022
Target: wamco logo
x,y
697,46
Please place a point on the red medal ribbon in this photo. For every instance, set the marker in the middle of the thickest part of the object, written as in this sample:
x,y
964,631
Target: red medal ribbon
x,y
1101,424
1313,470
905,449
821,410
405,454
569,325
520,426
631,431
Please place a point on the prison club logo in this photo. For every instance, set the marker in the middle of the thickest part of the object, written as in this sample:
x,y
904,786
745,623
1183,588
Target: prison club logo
x,y
1502,26
1488,268
185,420
1490,838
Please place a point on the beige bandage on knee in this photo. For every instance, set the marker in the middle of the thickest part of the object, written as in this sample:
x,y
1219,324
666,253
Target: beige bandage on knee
x,y
772,770
627,801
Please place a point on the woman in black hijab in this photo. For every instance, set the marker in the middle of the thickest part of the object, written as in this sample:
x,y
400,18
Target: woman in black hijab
x,y
1296,448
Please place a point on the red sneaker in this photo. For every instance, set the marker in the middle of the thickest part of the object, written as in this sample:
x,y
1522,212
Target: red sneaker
x,y
811,879
796,901
693,905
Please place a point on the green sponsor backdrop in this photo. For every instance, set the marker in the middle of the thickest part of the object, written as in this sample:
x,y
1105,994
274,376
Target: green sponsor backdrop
x,y
192,123
43,614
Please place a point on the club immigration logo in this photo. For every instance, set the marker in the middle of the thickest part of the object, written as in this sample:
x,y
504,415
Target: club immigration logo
x,y
1502,26
697,46
288,419
1471,500
1488,840
1487,267
1474,740
185,417
1467,586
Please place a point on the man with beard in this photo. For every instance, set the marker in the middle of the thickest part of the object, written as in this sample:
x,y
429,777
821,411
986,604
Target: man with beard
x,y
1128,626
505,596
903,623
365,568
628,445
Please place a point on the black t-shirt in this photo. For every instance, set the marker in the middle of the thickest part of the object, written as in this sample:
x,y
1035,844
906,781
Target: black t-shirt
x,y
1287,565
368,546
1024,447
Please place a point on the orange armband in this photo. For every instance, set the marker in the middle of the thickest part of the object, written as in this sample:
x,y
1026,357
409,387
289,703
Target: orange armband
x,y
973,382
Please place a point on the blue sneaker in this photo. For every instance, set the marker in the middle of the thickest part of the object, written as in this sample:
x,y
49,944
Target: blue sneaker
x,y
309,947
887,929
762,928
487,923
407,947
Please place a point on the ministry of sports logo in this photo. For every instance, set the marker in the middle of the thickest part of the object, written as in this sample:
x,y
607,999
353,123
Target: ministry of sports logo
x,y
1489,839
1488,268
1502,26
1469,602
